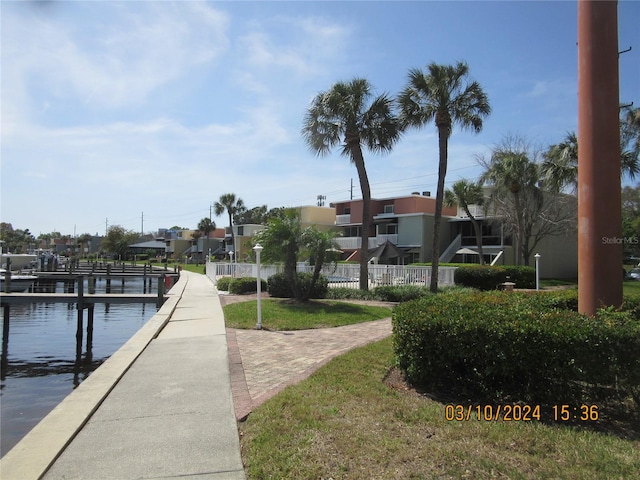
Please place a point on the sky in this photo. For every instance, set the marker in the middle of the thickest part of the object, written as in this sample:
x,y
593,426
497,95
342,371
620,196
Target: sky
x,y
143,113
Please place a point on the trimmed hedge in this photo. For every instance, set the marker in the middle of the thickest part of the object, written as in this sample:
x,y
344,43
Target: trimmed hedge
x,y
223,284
239,286
279,286
400,293
482,277
488,277
507,346
522,276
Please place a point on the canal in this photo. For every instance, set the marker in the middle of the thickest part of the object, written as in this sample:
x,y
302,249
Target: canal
x,y
39,364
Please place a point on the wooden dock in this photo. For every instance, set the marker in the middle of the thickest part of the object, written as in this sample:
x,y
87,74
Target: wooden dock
x,y
91,299
84,301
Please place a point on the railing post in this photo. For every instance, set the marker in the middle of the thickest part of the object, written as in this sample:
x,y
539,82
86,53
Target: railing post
x,y
161,280
80,306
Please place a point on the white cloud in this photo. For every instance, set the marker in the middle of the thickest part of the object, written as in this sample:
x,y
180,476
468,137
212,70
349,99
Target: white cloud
x,y
121,62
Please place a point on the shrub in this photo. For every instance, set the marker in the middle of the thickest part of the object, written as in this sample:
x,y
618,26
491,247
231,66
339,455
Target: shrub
x,y
498,346
344,293
280,287
238,286
482,277
400,293
223,283
522,276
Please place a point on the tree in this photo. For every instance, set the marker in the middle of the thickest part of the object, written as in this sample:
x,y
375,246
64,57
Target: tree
x,y
233,207
527,211
444,95
631,220
206,226
464,193
281,241
349,116
15,240
560,165
255,215
284,240
118,240
83,242
320,245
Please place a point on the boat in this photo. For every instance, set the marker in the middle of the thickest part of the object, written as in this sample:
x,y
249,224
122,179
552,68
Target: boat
x,y
18,282
18,261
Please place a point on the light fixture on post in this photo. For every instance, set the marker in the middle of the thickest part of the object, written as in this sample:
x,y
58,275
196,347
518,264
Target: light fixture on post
x,y
537,256
258,249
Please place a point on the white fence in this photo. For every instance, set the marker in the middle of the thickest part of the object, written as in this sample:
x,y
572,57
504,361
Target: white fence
x,y
341,275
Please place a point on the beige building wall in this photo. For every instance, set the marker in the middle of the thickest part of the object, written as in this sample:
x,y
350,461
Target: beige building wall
x,y
559,257
322,217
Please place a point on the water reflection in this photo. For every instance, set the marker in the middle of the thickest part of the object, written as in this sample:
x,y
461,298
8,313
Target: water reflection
x,y
42,362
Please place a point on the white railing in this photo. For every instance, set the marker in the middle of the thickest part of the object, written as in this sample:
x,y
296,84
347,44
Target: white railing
x,y
353,243
342,274
343,219
476,210
392,237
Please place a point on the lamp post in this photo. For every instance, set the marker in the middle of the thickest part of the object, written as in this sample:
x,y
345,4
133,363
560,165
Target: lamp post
x,y
537,256
258,249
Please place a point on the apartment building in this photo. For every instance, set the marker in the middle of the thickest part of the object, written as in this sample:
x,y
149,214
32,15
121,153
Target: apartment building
x,y
322,218
405,223
401,232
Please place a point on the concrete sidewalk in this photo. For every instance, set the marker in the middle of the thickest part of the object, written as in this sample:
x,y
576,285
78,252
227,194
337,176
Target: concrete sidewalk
x,y
170,416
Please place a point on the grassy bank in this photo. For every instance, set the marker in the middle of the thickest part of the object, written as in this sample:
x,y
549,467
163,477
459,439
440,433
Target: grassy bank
x,y
346,422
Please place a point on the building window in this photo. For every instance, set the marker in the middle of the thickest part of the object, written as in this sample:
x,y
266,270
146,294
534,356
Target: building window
x,y
240,230
347,210
388,209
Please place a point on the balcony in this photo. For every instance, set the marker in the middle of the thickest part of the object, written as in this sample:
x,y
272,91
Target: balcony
x,y
343,219
476,210
353,243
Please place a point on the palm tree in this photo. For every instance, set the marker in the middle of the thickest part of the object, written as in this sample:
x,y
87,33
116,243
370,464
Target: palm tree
x,y
464,193
346,115
442,94
206,225
560,165
281,240
233,207
513,174
320,245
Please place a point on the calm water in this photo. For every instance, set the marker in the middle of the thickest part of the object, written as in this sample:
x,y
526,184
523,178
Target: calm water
x,y
41,366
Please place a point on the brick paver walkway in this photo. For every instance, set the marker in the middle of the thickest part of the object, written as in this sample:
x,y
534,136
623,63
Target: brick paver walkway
x,y
264,362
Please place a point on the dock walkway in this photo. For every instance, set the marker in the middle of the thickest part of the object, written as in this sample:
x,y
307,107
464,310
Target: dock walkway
x,y
160,407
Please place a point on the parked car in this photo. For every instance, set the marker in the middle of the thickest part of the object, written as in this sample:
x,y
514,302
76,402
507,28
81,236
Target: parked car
x,y
633,274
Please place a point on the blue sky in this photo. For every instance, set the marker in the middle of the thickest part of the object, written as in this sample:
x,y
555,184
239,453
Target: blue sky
x,y
117,111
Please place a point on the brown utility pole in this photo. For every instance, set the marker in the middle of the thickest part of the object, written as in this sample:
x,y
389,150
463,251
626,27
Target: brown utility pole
x,y
599,203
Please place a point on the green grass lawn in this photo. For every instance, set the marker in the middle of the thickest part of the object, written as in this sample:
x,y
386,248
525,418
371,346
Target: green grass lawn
x,y
285,315
345,422
631,288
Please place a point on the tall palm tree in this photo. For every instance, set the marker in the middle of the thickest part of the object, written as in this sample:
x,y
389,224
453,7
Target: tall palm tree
x,y
206,225
464,193
233,207
346,115
442,94
560,165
